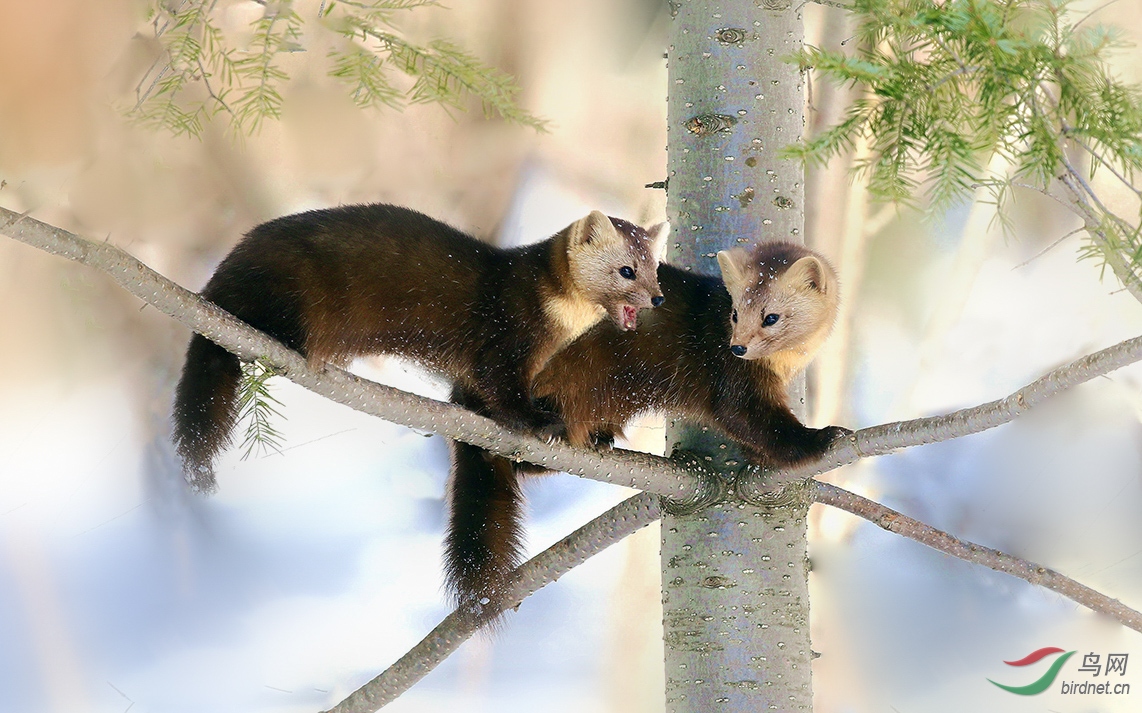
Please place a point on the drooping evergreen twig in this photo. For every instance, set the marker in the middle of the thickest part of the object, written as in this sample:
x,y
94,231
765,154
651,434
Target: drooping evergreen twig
x,y
947,84
637,470
443,73
650,473
200,72
675,479
257,408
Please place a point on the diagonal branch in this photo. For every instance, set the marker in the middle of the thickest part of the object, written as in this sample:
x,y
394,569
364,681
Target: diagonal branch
x,y
902,525
1080,204
551,564
635,470
682,480
650,473
755,483
643,509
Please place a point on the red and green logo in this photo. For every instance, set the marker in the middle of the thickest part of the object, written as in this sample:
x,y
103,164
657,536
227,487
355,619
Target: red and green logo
x,y
1046,679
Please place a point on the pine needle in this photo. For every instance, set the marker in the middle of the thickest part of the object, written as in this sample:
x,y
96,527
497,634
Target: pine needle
x,y
199,76
947,85
257,408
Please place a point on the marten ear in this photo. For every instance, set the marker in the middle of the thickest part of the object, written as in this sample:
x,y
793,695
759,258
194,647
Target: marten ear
x,y
595,229
808,273
733,264
658,237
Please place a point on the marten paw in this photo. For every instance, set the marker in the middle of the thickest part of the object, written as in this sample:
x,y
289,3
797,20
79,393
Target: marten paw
x,y
603,440
809,444
827,436
550,428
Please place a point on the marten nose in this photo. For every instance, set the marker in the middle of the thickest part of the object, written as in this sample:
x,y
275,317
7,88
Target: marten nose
x,y
738,350
656,301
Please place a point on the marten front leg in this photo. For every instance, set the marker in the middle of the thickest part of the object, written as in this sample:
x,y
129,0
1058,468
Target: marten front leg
x,y
502,386
579,418
773,430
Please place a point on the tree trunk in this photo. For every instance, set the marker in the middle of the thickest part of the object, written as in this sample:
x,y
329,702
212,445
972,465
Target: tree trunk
x,y
734,577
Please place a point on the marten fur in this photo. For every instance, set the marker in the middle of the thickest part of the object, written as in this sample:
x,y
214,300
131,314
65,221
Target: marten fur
x,y
683,361
785,300
680,362
381,279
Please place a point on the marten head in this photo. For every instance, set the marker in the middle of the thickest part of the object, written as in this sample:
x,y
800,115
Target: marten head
x,y
613,264
785,300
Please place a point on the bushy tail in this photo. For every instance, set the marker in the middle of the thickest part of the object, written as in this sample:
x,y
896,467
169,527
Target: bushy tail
x,y
485,528
205,409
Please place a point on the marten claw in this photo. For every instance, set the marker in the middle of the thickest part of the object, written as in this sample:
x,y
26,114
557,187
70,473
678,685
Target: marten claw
x,y
823,440
554,430
603,440
811,445
831,434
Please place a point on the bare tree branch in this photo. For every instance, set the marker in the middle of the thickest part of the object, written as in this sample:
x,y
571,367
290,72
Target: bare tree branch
x,y
756,484
1081,206
641,510
677,480
895,522
551,564
680,480
650,473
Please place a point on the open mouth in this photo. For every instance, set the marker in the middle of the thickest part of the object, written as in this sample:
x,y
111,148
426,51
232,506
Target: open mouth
x,y
630,317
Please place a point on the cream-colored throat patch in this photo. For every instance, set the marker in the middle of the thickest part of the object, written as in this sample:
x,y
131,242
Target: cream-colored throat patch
x,y
573,314
790,362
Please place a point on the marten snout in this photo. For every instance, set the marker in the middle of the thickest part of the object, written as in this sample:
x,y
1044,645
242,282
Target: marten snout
x,y
657,301
738,350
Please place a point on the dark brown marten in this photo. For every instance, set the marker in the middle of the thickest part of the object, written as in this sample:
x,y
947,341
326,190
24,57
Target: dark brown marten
x,y
682,361
381,279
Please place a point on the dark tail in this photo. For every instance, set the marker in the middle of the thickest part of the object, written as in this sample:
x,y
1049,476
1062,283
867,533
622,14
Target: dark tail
x,y
485,528
205,409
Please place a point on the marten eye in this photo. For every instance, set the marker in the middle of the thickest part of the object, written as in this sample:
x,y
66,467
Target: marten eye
x,y
627,271
770,320
734,316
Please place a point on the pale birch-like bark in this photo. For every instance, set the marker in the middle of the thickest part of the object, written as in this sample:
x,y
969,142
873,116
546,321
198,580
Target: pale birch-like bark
x,y
734,576
639,511
673,478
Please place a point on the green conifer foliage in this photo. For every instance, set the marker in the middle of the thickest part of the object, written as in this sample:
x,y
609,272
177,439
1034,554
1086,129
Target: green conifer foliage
x,y
200,73
947,85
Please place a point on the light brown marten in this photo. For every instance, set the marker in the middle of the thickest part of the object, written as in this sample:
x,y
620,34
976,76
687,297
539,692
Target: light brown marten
x,y
721,358
381,279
